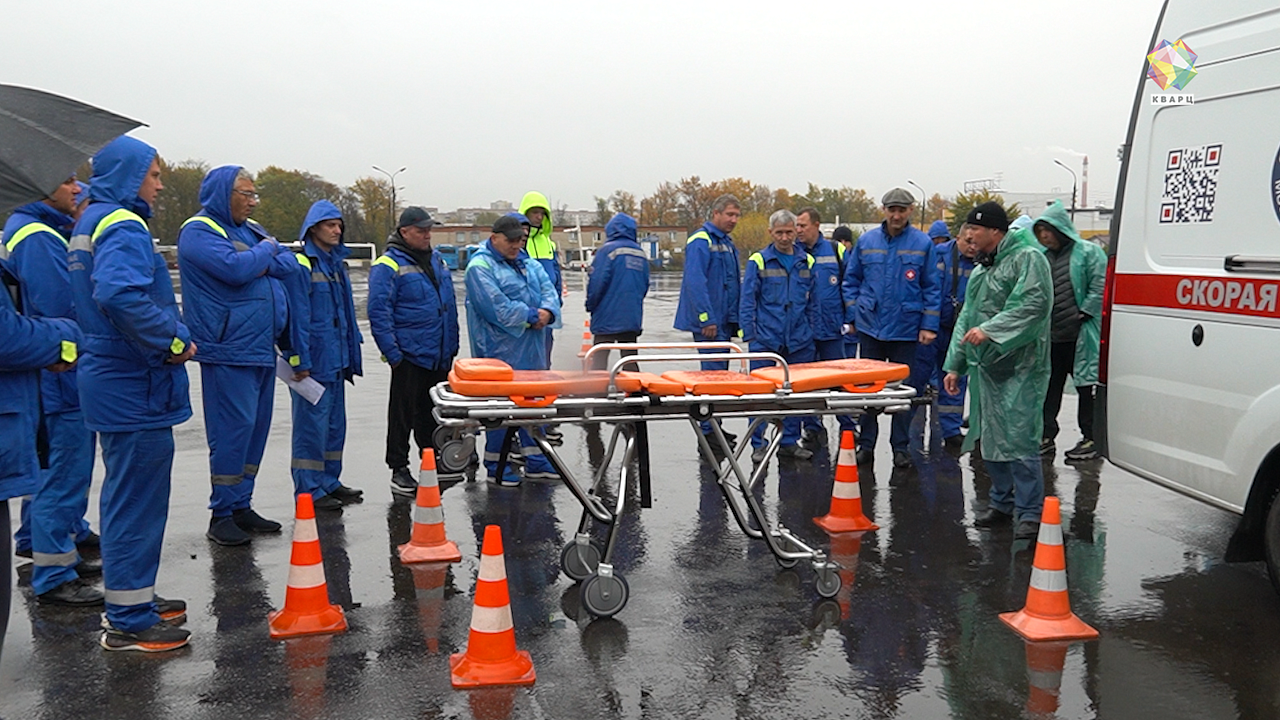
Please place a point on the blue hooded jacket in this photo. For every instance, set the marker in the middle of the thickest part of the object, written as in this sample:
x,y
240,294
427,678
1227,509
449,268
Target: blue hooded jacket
x,y
939,229
503,299
236,284
619,280
332,349
124,302
891,287
776,300
37,248
410,315
710,286
952,264
828,299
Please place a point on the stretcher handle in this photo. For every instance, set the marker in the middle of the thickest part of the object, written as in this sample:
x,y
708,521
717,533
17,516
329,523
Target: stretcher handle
x,y
532,402
700,357
606,347
873,387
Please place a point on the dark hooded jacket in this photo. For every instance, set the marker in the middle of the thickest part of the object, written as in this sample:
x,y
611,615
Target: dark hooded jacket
x,y
124,302
619,280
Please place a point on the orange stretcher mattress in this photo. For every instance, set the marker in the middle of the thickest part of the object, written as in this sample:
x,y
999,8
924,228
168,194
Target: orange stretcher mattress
x,y
853,375
719,382
483,377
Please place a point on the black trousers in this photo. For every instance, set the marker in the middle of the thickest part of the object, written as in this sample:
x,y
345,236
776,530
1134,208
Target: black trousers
x,y
409,410
600,361
1062,357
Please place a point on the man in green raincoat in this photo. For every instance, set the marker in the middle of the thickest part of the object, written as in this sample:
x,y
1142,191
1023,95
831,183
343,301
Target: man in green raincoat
x,y
1079,270
1001,341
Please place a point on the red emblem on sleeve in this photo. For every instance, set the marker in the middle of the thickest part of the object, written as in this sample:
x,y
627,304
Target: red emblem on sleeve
x,y
911,274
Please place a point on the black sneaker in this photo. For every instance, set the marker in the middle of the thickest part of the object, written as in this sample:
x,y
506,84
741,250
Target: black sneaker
x,y
814,437
250,521
1027,530
225,531
953,442
89,542
173,612
158,638
402,482
347,494
1047,447
1084,450
89,567
328,502
991,517
901,460
757,455
72,593
794,451
865,456
23,553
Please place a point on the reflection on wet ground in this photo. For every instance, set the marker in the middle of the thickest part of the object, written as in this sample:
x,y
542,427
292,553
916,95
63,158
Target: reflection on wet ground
x,y
714,627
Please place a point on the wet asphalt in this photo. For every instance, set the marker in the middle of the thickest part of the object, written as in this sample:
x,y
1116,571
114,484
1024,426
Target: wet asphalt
x,y
714,628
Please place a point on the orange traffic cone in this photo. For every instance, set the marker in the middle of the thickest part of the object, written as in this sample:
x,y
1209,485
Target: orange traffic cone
x,y
1044,676
586,338
307,610
1048,615
844,552
428,584
491,657
845,514
428,543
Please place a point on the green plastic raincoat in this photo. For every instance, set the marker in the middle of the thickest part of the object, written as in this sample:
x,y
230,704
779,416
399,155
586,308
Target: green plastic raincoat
x,y
1088,276
1009,374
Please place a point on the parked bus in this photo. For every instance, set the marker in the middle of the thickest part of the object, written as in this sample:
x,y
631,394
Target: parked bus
x,y
449,254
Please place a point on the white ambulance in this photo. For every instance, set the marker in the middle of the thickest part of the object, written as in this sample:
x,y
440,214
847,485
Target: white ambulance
x,y
1190,372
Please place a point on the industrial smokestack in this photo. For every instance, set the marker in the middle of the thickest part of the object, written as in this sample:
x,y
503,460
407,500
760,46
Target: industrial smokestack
x,y
1084,185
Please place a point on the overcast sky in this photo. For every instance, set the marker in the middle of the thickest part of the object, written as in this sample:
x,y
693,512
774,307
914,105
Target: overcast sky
x,y
485,100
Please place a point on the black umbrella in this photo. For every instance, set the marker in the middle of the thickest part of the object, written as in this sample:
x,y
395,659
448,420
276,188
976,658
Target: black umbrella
x,y
44,138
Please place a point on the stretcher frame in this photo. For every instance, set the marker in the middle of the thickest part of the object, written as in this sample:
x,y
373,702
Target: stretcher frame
x,y
604,592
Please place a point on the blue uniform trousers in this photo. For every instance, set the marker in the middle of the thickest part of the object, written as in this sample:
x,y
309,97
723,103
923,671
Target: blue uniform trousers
x,y
903,352
237,418
59,505
930,358
712,364
134,509
534,460
1017,487
790,425
319,434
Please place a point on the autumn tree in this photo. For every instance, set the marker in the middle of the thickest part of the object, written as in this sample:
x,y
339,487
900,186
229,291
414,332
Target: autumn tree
x,y
965,202
936,208
844,204
286,196
179,200
373,197
751,233
662,207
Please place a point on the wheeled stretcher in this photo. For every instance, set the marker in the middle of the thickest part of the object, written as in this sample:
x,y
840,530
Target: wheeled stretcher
x,y
488,395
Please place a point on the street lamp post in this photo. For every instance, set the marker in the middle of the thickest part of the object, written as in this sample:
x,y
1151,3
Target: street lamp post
x,y
391,211
924,201
1062,165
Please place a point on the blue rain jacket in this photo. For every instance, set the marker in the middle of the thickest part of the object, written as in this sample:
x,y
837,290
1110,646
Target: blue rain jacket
x,y
29,344
828,298
410,316
776,300
939,229
952,264
124,303
236,284
332,347
37,247
619,280
709,288
503,299
891,287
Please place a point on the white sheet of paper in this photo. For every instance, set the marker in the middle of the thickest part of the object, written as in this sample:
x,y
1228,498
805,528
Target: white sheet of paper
x,y
308,389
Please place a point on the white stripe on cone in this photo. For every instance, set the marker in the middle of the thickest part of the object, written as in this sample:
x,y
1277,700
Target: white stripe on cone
x,y
491,620
1048,580
306,576
846,456
1050,534
428,515
492,568
846,490
427,478
305,531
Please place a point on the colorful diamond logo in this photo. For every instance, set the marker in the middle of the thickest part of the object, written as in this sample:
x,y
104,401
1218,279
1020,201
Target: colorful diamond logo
x,y
1171,65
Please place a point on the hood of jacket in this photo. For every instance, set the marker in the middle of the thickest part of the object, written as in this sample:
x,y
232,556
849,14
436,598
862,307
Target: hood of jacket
x,y
320,211
1056,217
939,229
43,213
215,194
118,171
533,199
621,227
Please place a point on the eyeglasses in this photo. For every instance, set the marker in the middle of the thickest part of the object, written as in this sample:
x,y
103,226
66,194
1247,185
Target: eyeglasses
x,y
247,193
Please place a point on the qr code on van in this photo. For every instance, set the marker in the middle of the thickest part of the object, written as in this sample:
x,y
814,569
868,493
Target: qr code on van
x,y
1190,184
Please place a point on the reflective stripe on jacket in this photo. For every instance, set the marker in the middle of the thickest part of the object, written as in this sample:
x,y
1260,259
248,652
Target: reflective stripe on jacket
x,y
411,316
709,289
776,300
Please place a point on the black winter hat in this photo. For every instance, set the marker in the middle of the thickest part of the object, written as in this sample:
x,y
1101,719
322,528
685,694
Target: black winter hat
x,y
989,214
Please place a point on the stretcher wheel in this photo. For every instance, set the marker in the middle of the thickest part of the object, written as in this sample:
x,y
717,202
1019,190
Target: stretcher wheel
x,y
828,581
605,595
455,454
579,561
